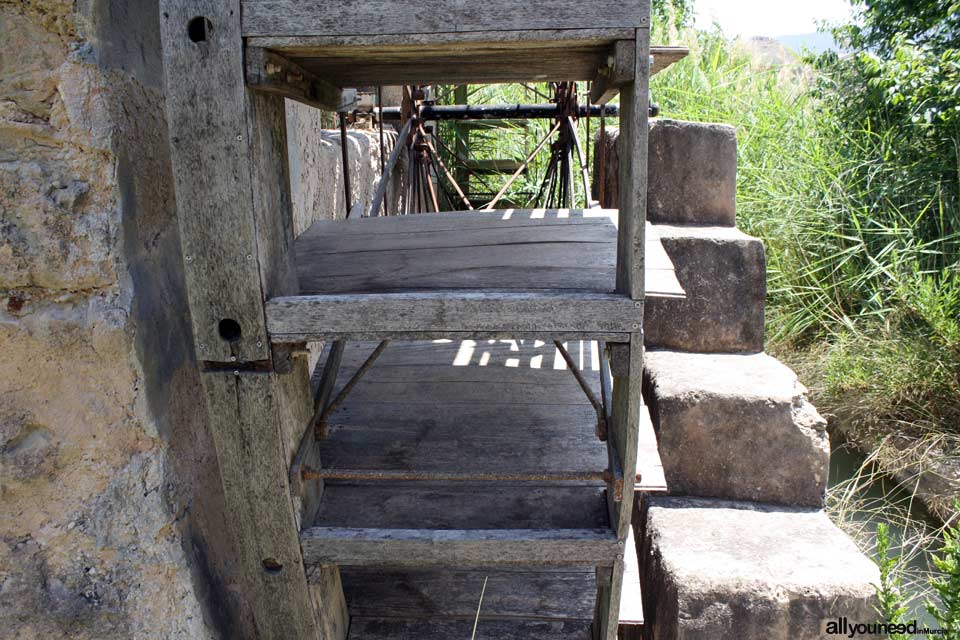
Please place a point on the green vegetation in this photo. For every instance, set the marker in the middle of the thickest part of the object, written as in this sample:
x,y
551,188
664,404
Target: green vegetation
x,y
947,585
944,583
850,171
890,607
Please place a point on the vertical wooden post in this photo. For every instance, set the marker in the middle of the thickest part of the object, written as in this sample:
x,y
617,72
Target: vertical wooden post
x,y
229,158
627,398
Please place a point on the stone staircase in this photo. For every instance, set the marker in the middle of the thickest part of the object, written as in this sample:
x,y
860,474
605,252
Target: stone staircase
x,y
740,546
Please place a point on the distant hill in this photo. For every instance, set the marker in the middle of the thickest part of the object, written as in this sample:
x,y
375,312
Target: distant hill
x,y
813,42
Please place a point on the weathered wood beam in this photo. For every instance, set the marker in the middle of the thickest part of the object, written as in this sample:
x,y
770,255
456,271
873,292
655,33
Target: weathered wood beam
x,y
608,81
618,71
245,420
308,318
270,72
319,17
424,547
377,203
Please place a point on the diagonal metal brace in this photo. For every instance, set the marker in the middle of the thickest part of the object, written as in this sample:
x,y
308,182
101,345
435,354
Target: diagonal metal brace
x,y
323,412
597,405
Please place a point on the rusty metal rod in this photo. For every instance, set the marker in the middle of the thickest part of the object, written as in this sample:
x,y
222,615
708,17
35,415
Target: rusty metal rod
x,y
442,476
321,422
597,405
439,161
522,167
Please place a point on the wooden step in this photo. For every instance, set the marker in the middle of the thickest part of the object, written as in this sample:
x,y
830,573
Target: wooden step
x,y
475,547
514,602
465,274
421,629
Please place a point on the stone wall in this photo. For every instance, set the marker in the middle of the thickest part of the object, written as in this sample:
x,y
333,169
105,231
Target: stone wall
x,y
111,511
316,166
105,462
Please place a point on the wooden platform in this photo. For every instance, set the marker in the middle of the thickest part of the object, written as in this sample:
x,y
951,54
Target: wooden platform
x,y
506,272
493,406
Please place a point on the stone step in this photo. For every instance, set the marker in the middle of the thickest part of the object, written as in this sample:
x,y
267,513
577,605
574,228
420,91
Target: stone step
x,y
739,571
723,272
692,172
736,427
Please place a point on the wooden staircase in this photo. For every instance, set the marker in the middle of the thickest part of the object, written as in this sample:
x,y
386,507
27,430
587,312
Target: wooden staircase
x,y
432,471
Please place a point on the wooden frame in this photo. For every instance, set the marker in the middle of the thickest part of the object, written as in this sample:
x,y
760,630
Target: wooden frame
x,y
228,150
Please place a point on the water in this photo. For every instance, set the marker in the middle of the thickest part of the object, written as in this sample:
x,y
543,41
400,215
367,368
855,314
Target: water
x,y
878,498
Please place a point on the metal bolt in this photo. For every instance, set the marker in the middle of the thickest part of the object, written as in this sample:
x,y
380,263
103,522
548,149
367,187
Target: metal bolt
x,y
239,138
203,347
236,372
249,256
189,258
620,542
638,304
619,556
636,326
259,344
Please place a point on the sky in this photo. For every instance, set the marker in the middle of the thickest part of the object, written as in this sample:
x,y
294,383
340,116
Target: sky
x,y
770,18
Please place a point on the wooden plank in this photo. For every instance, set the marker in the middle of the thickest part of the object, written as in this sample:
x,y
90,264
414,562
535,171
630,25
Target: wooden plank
x,y
633,174
318,17
650,476
419,505
459,221
664,56
311,318
244,422
368,336
210,150
610,586
494,251
475,547
402,436
631,604
453,592
560,66
372,628
270,72
362,46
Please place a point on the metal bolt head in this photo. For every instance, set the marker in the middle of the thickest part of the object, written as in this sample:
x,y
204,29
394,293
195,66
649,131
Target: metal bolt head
x,y
239,138
636,326
619,556
233,358
189,258
259,343
249,256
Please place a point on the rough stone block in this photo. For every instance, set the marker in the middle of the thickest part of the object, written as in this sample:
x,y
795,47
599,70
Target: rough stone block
x,y
692,173
723,272
716,570
736,427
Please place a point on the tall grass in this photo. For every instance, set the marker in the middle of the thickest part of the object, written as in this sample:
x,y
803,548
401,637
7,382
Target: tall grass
x,y
862,239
